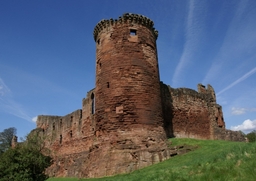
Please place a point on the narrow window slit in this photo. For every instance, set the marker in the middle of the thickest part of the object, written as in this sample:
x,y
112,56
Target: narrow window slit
x,y
71,120
70,133
60,139
93,103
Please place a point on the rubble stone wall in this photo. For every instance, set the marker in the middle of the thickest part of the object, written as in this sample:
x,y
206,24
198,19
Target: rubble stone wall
x,y
194,114
190,113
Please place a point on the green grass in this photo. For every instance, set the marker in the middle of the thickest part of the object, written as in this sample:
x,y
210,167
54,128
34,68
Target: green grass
x,y
212,161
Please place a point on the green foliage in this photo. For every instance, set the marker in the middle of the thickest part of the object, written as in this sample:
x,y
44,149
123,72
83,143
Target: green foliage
x,y
213,160
6,139
24,162
251,136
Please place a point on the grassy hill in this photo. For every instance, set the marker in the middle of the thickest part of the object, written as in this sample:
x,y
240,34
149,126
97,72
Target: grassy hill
x,y
211,161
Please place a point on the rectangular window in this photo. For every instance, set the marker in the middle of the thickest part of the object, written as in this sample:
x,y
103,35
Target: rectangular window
x,y
133,32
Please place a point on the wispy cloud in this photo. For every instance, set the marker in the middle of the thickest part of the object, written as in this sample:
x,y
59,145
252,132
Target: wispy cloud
x,y
240,111
193,33
10,106
245,76
239,42
247,126
3,88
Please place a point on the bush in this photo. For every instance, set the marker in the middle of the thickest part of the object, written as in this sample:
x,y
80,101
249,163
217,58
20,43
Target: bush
x,y
24,162
251,136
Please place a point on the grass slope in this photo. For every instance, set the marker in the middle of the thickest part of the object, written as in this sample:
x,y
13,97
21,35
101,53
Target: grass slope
x,y
212,161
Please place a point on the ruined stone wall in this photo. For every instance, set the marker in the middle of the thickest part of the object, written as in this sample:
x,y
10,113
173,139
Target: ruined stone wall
x,y
191,114
69,138
61,128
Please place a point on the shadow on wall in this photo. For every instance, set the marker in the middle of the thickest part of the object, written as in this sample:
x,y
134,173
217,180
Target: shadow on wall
x,y
167,110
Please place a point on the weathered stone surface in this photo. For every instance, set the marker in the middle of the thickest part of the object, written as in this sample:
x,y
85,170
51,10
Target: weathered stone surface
x,y
125,121
192,114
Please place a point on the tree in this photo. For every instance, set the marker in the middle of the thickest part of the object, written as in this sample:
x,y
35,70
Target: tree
x,y
251,136
25,162
6,138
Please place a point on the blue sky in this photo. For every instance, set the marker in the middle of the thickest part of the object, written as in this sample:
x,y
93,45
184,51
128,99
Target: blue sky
x,y
47,54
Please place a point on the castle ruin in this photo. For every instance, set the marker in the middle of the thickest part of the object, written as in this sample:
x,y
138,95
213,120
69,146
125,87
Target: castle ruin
x,y
126,119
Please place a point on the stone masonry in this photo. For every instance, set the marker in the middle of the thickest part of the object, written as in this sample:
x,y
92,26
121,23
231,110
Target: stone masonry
x,y
126,119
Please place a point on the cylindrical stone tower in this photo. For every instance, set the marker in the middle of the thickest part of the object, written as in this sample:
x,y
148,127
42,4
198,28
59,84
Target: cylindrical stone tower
x,y
127,90
128,121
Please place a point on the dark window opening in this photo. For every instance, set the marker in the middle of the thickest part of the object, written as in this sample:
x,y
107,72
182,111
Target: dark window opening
x,y
100,65
70,133
133,32
98,41
71,120
60,139
93,104
107,84
53,126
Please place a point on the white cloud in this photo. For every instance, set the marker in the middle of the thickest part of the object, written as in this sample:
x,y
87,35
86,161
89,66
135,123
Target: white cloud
x,y
246,126
238,111
34,119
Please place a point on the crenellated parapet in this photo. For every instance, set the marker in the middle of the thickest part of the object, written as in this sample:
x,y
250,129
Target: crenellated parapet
x,y
126,18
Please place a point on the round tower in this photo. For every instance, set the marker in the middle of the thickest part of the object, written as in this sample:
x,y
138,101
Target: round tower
x,y
127,93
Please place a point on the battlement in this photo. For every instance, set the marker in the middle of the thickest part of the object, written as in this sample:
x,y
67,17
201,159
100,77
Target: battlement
x,y
126,18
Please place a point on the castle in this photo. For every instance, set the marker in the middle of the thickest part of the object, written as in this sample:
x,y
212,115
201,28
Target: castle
x,y
126,119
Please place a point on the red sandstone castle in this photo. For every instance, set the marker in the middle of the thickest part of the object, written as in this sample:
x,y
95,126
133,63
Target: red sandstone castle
x,y
126,119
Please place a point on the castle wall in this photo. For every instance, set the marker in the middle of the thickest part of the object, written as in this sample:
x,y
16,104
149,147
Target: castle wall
x,y
69,138
191,114
228,135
